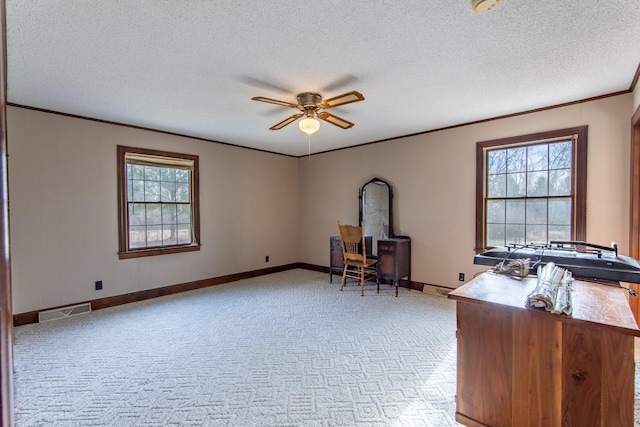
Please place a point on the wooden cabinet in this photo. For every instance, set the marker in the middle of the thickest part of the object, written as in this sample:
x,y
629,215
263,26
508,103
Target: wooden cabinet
x,y
394,261
519,366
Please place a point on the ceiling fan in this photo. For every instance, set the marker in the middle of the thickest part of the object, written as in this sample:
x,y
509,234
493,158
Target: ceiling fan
x,y
312,105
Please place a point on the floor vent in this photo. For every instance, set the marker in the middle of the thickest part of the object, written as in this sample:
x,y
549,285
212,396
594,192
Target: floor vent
x,y
62,312
435,290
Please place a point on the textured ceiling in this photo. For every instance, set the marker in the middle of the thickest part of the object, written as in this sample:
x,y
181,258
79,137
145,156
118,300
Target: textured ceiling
x,y
191,67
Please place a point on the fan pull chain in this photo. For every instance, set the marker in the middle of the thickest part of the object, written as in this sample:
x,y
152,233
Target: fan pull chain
x,y
309,141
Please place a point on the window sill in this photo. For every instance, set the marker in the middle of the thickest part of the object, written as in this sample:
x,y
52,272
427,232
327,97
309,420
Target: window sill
x,y
138,253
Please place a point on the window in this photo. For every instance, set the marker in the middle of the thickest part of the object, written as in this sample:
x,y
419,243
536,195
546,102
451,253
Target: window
x,y
158,202
531,189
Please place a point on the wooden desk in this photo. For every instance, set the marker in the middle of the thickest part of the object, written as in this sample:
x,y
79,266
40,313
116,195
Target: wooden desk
x,y
520,366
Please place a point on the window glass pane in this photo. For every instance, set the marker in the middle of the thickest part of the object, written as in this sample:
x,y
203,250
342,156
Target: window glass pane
x,y
516,184
168,191
537,211
182,175
537,183
182,192
152,191
515,234
495,211
184,234
154,235
560,182
560,155
135,171
154,214
169,214
497,162
137,188
497,186
537,158
559,232
515,211
152,173
516,160
537,234
137,236
167,175
137,214
560,211
495,235
169,234
184,214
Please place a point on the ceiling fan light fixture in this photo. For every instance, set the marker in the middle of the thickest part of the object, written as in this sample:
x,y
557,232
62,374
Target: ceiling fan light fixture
x,y
481,6
309,125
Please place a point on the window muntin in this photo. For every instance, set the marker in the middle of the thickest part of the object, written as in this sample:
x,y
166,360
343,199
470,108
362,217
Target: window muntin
x,y
159,202
531,189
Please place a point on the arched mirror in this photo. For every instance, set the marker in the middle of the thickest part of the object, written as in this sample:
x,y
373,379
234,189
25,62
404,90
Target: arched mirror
x,y
375,210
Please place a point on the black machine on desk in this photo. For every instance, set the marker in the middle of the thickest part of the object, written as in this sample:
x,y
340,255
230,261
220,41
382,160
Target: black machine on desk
x,y
584,260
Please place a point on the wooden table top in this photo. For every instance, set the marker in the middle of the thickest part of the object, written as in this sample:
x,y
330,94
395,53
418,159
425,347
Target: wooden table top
x,y
599,304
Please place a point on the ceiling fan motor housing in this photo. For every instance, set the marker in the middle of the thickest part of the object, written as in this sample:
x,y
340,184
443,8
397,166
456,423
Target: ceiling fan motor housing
x,y
309,100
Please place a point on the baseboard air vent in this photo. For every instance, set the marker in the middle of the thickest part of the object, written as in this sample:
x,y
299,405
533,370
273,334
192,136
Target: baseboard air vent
x,y
436,290
62,312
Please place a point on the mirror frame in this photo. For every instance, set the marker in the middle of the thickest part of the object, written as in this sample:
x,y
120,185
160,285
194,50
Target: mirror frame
x,y
360,193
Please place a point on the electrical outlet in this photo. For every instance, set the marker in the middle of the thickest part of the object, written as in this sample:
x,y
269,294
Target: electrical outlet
x,y
461,277
98,285
266,259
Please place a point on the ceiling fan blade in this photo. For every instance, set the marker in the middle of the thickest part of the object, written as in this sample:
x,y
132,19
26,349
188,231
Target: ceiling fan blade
x,y
274,101
334,120
345,98
286,122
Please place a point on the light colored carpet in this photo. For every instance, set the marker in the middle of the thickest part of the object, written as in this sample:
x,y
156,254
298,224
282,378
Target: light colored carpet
x,y
288,349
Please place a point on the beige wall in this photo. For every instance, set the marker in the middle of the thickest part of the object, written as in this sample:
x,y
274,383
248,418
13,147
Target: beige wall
x,y
433,177
63,217
63,212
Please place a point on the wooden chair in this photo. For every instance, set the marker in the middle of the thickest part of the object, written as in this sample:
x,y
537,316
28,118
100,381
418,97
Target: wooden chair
x,y
356,264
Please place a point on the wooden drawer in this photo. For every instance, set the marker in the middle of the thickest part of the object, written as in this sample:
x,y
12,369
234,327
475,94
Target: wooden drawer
x,y
383,247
